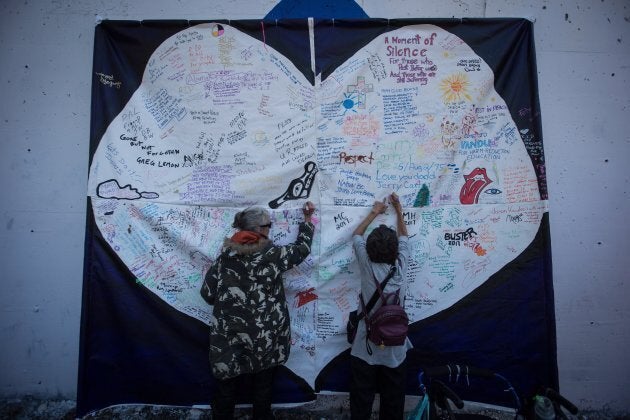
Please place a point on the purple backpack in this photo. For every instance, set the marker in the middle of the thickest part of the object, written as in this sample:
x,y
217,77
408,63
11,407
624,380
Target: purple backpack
x,y
389,324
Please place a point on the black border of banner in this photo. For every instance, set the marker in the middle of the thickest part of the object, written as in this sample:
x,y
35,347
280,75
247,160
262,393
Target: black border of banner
x,y
136,349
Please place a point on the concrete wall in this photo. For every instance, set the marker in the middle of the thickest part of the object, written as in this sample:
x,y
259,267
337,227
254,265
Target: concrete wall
x,y
583,53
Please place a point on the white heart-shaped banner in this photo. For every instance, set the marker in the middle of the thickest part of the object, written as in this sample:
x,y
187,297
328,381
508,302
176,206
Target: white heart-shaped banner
x,y
222,121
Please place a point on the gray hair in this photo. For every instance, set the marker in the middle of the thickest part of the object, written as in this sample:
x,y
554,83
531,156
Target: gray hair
x,y
251,219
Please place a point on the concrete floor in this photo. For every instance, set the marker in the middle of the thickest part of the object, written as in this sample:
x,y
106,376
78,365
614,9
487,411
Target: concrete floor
x,y
326,408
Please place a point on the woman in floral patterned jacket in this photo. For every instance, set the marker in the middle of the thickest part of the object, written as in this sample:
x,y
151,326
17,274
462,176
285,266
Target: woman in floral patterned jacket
x,y
251,333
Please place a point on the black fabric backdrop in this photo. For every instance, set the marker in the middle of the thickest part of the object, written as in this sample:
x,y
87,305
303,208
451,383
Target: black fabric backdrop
x,y
135,348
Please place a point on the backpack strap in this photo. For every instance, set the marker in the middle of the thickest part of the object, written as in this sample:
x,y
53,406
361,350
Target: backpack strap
x,y
378,292
365,309
380,287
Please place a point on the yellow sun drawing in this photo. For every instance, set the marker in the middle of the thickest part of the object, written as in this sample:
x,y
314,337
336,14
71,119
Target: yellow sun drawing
x,y
455,87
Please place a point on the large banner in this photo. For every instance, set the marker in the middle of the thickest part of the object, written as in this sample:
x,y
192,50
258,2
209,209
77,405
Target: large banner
x,y
193,121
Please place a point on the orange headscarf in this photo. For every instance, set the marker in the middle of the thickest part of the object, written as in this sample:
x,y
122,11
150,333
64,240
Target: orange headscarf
x,y
247,237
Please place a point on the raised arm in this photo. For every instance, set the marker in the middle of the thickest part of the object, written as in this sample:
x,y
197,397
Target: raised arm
x,y
401,227
308,210
288,256
378,207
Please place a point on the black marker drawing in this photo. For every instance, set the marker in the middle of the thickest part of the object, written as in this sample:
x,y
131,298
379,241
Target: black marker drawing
x,y
299,187
112,189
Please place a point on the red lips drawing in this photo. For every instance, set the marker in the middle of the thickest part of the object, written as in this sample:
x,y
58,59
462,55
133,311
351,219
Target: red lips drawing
x,y
476,181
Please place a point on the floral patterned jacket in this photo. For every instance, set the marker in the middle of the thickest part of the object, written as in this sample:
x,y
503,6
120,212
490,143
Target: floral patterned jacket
x,y
251,329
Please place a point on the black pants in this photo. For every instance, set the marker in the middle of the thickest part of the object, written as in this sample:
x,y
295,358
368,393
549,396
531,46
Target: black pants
x,y
367,380
224,398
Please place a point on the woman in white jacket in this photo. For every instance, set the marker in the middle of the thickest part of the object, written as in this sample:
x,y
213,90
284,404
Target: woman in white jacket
x,y
382,369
